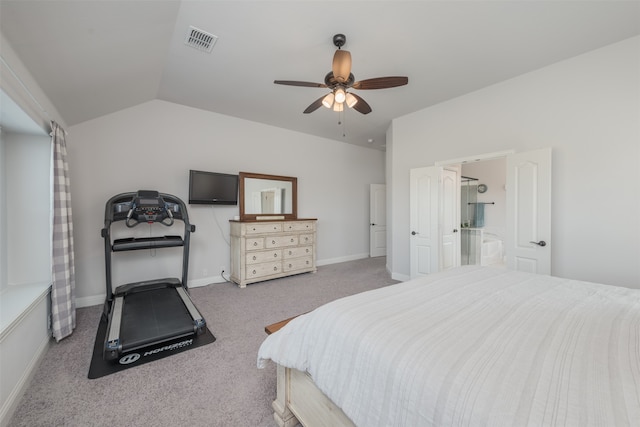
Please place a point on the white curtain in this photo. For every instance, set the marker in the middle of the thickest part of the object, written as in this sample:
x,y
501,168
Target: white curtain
x,y
63,299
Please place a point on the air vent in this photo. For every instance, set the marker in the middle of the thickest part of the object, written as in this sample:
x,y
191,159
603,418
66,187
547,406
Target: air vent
x,y
200,40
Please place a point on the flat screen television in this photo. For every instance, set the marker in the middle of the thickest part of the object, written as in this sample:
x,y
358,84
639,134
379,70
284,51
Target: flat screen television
x,y
212,188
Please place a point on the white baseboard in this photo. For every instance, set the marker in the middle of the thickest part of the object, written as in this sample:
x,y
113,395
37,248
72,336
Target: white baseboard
x,y
99,299
89,301
400,277
342,259
204,281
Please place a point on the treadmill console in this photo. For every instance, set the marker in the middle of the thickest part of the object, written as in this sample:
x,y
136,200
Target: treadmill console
x,y
148,206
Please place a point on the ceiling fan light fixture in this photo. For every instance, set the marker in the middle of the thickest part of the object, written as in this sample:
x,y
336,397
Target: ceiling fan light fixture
x,y
327,101
338,107
351,100
340,95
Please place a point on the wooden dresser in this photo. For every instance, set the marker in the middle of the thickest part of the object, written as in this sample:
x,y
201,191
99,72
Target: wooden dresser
x,y
263,250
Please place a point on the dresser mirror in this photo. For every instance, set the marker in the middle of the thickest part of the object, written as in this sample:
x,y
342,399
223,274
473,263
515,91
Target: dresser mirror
x,y
264,197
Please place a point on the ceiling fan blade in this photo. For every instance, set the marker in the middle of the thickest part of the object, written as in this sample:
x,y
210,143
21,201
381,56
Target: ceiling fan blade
x,y
341,66
296,83
381,83
315,105
361,106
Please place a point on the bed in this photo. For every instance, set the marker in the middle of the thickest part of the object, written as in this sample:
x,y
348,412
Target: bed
x,y
466,347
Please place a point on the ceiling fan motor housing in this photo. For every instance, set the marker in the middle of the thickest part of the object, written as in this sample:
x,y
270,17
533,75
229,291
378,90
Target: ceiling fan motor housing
x,y
339,40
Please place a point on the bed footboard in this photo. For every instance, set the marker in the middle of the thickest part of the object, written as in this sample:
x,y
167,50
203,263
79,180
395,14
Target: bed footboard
x,y
299,400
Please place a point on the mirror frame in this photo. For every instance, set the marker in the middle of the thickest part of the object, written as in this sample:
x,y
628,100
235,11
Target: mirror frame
x,y
254,217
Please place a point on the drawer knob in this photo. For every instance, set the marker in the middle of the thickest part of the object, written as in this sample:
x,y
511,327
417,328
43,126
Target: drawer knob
x,y
275,268
254,257
291,240
255,243
275,255
273,242
307,250
290,265
254,272
290,253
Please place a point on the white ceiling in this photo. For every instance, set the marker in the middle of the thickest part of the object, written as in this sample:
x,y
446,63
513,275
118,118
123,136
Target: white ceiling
x,y
96,57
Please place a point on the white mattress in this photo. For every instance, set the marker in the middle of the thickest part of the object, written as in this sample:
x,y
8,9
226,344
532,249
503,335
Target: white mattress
x,y
474,346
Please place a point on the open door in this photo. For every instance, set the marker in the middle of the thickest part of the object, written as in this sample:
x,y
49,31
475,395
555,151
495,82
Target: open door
x,y
424,199
528,240
378,220
449,229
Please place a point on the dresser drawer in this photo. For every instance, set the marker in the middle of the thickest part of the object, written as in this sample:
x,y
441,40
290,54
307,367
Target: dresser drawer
x,y
297,263
298,252
254,243
264,228
280,241
306,239
263,256
264,269
298,226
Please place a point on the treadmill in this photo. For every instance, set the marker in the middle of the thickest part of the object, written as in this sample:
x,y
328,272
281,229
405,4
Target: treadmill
x,y
150,314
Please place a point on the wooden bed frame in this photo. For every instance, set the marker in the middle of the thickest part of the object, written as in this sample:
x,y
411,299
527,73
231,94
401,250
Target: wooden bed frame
x,y
300,401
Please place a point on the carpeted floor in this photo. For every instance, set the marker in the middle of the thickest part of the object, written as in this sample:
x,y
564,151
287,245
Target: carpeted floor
x,y
214,385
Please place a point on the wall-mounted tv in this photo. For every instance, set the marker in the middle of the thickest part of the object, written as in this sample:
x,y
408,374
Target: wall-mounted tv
x,y
212,188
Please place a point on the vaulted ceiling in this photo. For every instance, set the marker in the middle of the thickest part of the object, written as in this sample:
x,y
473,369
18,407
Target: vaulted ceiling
x,y
96,57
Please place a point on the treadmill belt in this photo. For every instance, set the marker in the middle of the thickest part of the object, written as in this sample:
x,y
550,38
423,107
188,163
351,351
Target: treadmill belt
x,y
153,316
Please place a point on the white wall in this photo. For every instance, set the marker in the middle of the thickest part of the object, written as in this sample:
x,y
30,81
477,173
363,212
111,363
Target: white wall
x,y
153,146
588,110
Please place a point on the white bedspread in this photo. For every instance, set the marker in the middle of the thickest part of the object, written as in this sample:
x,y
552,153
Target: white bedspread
x,y
474,346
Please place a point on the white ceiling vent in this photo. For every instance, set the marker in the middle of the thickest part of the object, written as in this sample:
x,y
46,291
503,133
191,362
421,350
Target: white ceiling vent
x,y
200,40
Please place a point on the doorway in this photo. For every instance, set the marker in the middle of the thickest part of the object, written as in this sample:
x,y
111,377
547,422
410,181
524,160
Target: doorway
x,y
527,195
483,225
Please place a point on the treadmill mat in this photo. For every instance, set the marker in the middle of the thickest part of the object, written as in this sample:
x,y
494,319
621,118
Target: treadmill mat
x,y
100,367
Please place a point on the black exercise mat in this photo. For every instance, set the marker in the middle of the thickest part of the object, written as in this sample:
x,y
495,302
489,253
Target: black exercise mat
x,y
100,367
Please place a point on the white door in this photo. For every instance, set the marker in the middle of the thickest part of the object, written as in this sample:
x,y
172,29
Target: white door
x,y
450,220
378,220
424,193
529,211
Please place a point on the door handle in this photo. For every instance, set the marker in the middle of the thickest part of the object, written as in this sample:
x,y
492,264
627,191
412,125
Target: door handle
x,y
455,230
540,243
371,224
413,233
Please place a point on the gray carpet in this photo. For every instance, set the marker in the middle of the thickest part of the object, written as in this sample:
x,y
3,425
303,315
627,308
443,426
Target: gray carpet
x,y
214,385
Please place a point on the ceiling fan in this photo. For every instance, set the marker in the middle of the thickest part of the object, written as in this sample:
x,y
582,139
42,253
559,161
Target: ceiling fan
x,y
340,80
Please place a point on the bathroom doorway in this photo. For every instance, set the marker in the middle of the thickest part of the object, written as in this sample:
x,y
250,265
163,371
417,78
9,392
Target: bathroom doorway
x,y
527,212
483,224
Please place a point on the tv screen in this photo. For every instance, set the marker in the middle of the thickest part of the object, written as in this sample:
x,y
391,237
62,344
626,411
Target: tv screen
x,y
212,188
